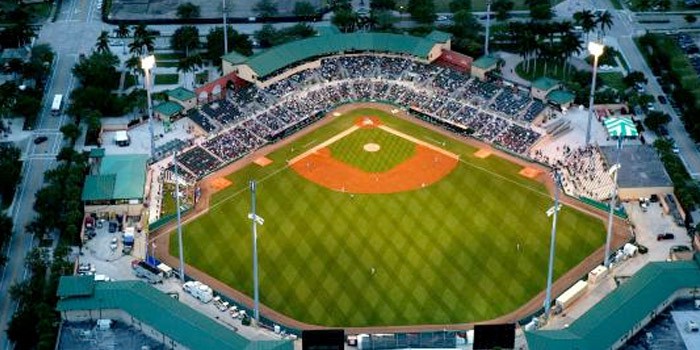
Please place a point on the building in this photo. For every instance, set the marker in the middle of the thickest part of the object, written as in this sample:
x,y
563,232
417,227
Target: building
x,y
483,65
156,314
541,87
116,185
561,98
186,98
626,310
641,171
167,111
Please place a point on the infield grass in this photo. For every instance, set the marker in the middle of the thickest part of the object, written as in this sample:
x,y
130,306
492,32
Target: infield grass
x,y
393,150
442,254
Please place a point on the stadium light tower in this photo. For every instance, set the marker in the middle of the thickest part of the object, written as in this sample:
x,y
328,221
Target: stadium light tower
x,y
147,64
613,196
179,223
553,211
256,220
595,49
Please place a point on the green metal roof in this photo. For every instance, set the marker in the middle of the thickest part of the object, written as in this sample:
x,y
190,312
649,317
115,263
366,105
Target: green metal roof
x,y
97,152
181,94
327,30
77,286
560,97
120,176
234,57
169,316
485,62
439,36
544,83
278,57
621,310
168,108
99,187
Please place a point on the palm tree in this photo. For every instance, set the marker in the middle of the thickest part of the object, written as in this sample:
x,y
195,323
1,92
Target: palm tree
x,y
102,44
122,31
133,64
189,64
586,19
571,45
604,20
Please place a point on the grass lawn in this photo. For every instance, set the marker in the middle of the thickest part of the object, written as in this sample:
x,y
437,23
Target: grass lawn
x,y
166,64
394,150
168,56
167,79
554,70
613,80
443,254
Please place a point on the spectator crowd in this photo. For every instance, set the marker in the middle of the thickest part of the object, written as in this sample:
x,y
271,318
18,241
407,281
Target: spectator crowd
x,y
251,117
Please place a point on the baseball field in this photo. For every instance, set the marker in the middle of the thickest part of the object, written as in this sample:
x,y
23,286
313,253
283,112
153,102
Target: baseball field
x,y
373,220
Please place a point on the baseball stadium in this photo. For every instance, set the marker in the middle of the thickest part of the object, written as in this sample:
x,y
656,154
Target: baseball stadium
x,y
398,192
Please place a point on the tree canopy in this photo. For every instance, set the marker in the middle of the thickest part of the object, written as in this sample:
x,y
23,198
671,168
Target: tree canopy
x,y
187,10
422,11
185,39
236,41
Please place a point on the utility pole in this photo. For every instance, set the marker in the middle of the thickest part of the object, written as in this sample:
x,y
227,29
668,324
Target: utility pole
x,y
223,2
488,27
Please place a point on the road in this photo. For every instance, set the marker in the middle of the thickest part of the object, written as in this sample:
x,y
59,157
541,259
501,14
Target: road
x,y
77,25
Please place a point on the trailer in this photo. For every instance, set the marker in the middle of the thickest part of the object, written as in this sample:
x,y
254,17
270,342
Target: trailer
x,y
199,290
571,295
144,270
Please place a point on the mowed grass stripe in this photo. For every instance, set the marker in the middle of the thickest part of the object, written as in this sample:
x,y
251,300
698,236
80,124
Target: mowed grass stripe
x,y
446,253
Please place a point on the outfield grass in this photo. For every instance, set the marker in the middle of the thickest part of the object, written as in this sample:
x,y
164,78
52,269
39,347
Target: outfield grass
x,y
442,254
393,150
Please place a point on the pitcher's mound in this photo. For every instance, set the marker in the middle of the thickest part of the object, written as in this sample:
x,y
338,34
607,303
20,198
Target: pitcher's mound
x,y
263,161
530,173
368,122
482,153
371,147
220,183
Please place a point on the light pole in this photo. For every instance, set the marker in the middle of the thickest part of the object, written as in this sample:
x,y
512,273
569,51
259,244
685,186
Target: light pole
x,y
488,27
147,64
553,211
613,173
256,220
595,49
179,226
223,2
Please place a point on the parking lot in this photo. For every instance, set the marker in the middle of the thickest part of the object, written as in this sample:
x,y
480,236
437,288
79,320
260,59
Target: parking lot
x,y
106,259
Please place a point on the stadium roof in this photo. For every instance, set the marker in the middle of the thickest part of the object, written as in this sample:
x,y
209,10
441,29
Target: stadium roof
x,y
181,94
485,62
97,152
439,36
278,57
560,97
119,177
77,286
623,309
545,84
640,166
168,108
169,316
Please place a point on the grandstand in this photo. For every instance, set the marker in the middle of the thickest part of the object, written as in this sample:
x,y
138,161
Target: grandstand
x,y
293,84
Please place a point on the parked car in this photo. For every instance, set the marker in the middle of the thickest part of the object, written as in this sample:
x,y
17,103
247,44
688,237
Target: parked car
x,y
662,99
40,139
665,236
112,227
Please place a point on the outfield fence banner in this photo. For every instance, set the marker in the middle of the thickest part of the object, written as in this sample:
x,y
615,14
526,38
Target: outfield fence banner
x,y
425,340
620,212
166,219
